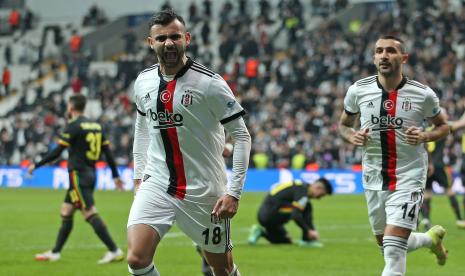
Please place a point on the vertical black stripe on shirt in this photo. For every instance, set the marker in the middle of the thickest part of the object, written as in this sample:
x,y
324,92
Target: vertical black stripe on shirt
x,y
384,142
167,143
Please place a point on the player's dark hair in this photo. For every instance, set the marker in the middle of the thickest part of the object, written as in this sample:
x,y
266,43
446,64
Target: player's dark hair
x,y
165,17
326,184
393,37
78,101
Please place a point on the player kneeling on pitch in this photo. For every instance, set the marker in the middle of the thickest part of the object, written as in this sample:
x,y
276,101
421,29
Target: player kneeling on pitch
x,y
286,201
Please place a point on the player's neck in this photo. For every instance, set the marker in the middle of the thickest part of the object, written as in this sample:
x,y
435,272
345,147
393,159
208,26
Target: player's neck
x,y
75,115
173,70
390,83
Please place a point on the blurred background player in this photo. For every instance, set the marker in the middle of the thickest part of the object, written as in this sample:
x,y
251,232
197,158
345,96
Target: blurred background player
x,y
455,126
289,201
85,141
439,172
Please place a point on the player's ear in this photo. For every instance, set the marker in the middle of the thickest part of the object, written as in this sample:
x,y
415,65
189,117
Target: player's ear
x,y
188,38
404,58
150,42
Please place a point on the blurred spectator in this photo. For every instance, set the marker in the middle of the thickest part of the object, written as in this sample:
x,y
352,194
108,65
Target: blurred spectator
x,y
7,54
130,42
28,18
14,20
207,8
6,81
94,17
75,42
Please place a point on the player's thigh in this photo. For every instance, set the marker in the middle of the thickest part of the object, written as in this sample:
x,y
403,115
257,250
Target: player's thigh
x,y
403,207
376,210
142,242
153,208
196,221
81,190
443,177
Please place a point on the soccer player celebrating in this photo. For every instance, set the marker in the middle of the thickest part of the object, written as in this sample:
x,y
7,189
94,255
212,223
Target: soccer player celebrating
x,y
391,110
182,111
286,201
85,141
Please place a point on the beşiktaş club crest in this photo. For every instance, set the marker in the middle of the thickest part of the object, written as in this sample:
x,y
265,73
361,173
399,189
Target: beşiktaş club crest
x,y
407,104
187,97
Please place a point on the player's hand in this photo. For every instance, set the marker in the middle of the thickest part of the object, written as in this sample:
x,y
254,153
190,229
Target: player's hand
x,y
361,137
31,168
118,183
313,235
414,136
225,207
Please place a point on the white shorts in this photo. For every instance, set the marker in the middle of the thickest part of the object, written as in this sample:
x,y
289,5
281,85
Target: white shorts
x,y
154,207
399,208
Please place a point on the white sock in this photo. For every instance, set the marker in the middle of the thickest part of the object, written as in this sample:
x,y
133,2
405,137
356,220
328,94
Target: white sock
x,y
150,270
235,271
395,256
417,240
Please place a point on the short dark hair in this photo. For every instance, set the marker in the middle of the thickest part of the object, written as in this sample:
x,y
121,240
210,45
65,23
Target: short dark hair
x,y
78,101
165,17
326,184
396,38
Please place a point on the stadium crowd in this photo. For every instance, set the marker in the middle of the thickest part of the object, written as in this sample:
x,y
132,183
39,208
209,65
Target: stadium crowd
x,y
290,79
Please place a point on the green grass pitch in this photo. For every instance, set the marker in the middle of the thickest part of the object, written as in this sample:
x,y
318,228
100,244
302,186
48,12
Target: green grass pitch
x,y
29,221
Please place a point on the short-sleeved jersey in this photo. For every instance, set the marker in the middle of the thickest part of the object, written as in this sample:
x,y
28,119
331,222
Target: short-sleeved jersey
x,y
389,163
185,118
288,196
84,139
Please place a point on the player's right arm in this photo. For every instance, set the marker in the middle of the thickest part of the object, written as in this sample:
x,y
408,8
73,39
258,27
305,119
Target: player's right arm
x,y
141,141
52,155
349,117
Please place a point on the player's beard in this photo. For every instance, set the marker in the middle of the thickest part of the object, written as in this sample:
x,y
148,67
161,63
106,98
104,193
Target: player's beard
x,y
171,57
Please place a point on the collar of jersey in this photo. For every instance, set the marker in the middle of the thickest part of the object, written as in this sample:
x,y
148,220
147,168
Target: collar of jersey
x,y
180,72
401,84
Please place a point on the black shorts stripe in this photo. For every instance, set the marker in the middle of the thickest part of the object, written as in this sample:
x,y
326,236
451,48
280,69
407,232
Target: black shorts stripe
x,y
233,117
140,112
201,71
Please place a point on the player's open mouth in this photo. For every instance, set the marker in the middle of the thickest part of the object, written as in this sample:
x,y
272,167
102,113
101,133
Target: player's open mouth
x,y
171,56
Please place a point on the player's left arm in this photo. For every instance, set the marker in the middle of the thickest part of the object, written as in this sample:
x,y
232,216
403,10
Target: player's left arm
x,y
227,205
112,164
416,135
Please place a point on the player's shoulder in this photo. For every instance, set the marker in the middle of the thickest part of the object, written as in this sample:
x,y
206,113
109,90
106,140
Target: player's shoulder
x,y
416,84
202,70
366,82
147,74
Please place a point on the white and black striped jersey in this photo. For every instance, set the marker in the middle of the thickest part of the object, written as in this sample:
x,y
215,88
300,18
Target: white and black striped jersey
x,y
185,118
389,163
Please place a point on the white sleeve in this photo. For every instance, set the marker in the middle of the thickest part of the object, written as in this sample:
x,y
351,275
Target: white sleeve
x,y
432,107
242,144
141,144
350,101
